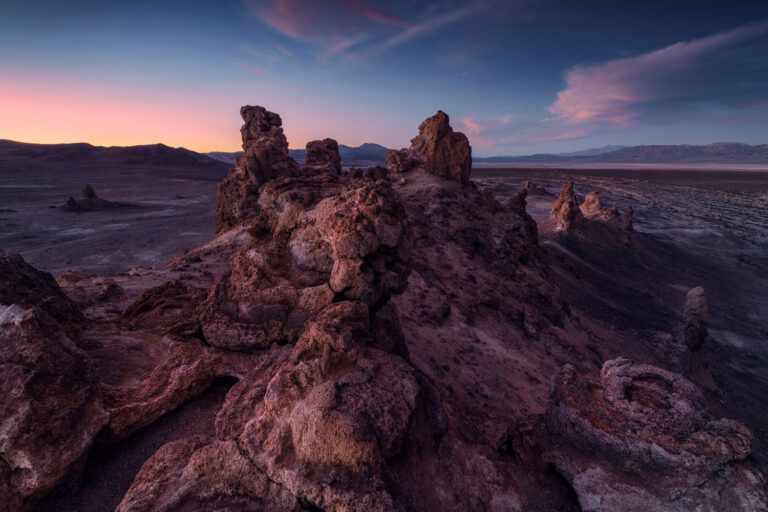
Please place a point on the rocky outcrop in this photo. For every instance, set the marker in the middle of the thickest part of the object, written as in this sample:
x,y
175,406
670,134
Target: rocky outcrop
x,y
640,438
324,154
592,208
25,286
318,239
51,410
438,149
90,202
695,317
265,157
565,210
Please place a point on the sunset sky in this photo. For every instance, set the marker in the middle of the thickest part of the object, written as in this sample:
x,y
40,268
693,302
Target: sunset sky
x,y
518,77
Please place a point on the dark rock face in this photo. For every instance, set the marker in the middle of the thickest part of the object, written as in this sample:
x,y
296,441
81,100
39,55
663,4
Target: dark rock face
x,y
324,154
640,438
25,286
566,210
51,410
265,157
695,317
438,149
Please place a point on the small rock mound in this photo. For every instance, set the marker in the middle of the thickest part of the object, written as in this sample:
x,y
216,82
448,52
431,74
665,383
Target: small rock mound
x,y
566,210
640,438
324,154
696,317
438,149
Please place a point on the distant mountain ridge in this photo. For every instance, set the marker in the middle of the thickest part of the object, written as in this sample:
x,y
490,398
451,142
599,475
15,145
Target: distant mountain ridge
x,y
718,152
155,155
363,155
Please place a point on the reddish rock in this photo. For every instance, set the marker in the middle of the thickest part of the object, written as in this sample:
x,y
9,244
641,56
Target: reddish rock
x,y
566,210
265,157
640,438
317,240
695,317
324,154
438,149
51,410
446,153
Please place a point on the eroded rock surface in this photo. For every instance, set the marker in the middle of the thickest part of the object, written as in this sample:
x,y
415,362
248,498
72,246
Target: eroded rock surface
x,y
640,438
438,149
324,154
265,157
318,239
565,210
51,410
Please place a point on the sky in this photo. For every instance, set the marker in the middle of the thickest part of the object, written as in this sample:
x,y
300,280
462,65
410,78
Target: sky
x,y
516,76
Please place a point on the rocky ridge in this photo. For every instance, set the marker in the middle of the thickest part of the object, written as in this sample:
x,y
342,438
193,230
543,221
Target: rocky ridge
x,y
392,334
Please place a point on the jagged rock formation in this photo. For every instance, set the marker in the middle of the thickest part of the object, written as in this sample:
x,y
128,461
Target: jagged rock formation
x,y
695,317
265,157
565,210
592,209
640,438
438,149
324,154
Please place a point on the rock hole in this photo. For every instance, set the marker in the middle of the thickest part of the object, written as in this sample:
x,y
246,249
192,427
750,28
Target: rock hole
x,y
111,467
568,495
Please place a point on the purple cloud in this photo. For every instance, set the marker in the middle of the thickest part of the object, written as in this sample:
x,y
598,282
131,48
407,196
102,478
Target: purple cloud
x,y
623,91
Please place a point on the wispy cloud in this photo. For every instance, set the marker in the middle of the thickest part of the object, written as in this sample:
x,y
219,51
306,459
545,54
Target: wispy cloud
x,y
358,30
623,91
718,79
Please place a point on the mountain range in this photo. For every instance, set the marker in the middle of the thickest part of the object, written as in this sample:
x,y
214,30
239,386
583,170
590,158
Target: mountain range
x,y
369,154
718,152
